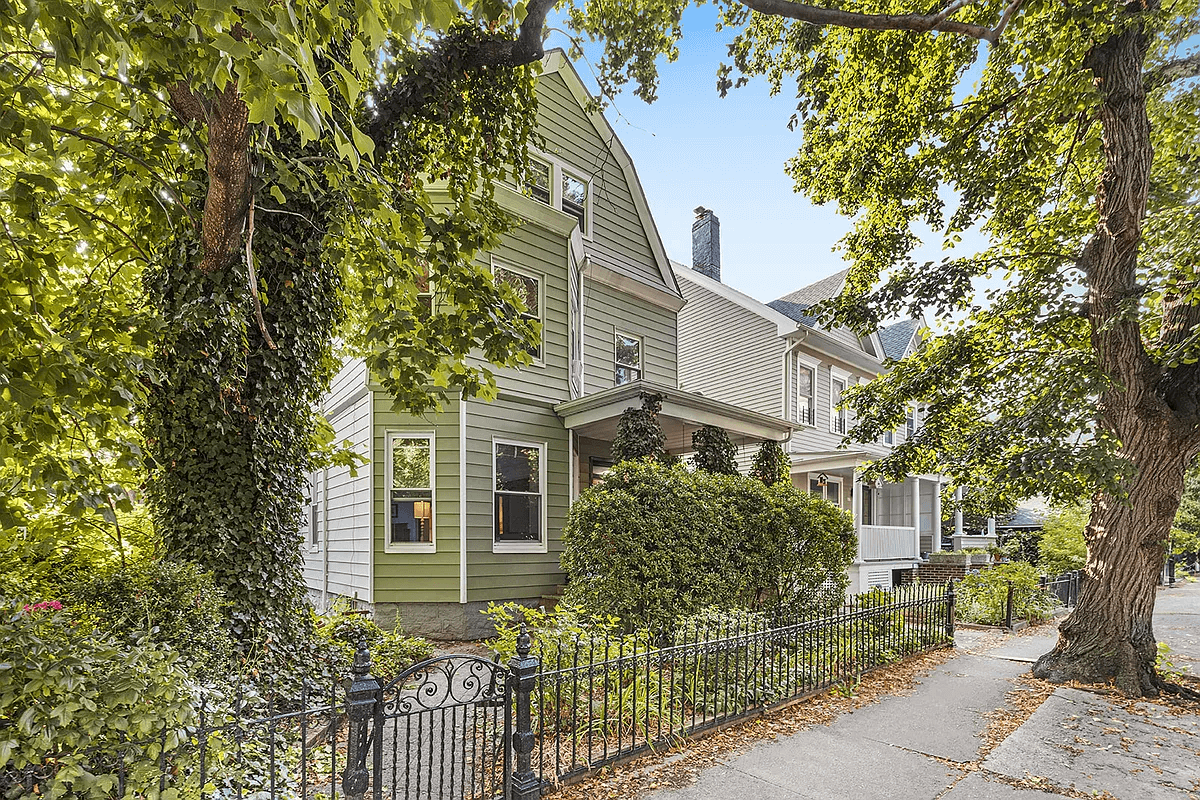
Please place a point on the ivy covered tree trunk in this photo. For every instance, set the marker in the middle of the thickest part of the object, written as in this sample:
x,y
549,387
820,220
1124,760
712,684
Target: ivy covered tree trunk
x,y
230,419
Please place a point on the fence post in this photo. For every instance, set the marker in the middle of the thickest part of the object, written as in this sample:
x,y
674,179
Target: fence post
x,y
1008,606
361,692
522,676
950,598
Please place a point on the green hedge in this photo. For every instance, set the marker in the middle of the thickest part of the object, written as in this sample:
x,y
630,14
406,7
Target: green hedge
x,y
654,542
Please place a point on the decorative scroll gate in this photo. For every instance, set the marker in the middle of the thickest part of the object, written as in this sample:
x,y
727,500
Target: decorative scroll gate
x,y
455,727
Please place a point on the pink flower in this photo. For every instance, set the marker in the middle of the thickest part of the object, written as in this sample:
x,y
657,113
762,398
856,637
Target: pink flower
x,y
45,605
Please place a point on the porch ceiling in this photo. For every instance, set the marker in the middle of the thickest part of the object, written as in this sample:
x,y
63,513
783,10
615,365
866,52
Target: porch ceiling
x,y
596,415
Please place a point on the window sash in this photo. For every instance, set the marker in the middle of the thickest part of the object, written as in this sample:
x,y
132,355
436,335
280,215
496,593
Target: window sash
x,y
410,520
802,402
575,194
529,289
518,515
837,388
627,370
537,180
419,514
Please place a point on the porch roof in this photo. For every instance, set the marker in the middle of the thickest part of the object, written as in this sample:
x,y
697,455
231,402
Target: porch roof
x,y
596,416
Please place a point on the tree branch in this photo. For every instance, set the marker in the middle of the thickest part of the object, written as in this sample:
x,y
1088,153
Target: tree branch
x,y
415,90
920,23
126,154
1171,71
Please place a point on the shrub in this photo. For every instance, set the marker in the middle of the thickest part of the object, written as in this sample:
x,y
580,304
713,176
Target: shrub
x,y
771,465
713,451
639,435
341,629
983,596
74,706
171,602
1062,547
653,543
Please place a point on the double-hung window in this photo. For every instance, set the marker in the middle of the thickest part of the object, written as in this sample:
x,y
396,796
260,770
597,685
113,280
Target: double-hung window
x,y
529,289
549,182
537,180
910,423
802,391
410,473
575,199
837,416
519,470
628,359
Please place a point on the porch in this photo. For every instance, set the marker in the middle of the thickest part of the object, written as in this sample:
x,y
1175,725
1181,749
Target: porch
x,y
592,421
896,524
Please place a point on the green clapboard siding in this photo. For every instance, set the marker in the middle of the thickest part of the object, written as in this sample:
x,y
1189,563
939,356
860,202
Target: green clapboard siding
x,y
534,250
418,577
608,310
571,136
502,576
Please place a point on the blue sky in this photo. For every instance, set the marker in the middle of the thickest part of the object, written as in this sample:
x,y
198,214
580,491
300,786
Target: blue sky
x,y
692,148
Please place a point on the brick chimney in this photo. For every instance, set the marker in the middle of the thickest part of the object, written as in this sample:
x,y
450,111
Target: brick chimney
x,y
706,244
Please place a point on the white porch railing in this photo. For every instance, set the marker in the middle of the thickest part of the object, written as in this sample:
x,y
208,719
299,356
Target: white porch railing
x,y
883,542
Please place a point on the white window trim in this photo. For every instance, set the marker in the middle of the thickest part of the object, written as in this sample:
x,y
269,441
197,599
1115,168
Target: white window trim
x,y
557,167
641,365
812,364
812,476
836,374
312,525
409,547
521,547
540,277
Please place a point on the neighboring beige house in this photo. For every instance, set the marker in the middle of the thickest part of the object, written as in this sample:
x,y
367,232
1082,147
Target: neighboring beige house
x,y
465,506
775,359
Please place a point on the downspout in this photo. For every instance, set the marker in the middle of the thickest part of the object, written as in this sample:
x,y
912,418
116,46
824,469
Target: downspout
x,y
325,538
462,501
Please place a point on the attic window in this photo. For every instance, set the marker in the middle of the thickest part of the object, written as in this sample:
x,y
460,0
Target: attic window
x,y
575,199
537,180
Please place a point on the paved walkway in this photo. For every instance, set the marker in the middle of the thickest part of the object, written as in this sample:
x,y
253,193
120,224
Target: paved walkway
x,y
930,743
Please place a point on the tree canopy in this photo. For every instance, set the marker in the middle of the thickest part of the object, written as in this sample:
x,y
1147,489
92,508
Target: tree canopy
x,y
1066,135
197,200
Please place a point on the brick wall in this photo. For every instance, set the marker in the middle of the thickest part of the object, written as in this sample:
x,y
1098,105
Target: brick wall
x,y
940,573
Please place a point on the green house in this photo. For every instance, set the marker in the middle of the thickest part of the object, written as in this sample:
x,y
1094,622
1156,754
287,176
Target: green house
x,y
466,506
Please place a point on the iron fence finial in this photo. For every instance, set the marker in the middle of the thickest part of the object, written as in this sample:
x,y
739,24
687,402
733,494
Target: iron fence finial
x,y
362,659
524,642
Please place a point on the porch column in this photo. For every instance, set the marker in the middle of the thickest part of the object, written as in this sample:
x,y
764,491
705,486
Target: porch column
x,y
857,490
937,516
915,483
958,530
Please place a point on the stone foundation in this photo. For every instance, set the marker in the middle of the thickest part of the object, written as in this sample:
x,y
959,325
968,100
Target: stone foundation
x,y
455,621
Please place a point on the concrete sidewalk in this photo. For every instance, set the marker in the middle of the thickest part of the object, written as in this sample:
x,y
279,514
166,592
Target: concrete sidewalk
x,y
931,743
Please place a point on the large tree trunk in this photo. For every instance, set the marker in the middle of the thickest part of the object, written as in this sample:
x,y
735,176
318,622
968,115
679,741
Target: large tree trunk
x,y
1110,635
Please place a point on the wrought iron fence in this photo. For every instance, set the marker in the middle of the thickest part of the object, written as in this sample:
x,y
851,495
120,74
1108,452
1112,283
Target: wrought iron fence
x,y
460,727
1065,587
599,700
